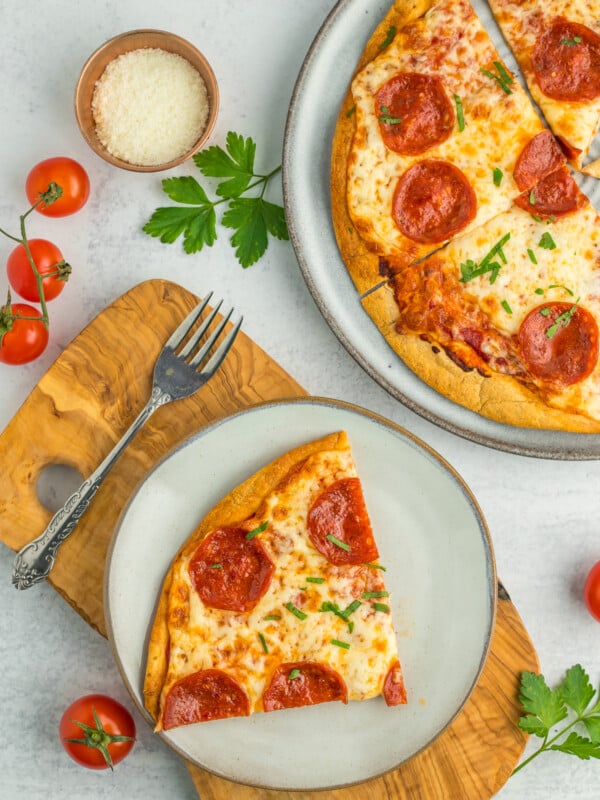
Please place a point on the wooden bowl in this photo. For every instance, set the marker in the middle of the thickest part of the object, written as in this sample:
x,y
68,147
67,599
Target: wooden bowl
x,y
124,43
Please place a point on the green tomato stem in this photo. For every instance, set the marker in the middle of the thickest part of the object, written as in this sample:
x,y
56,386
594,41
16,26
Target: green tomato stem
x,y
546,744
38,277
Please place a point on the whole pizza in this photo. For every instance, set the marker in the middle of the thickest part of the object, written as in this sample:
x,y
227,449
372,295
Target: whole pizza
x,y
456,211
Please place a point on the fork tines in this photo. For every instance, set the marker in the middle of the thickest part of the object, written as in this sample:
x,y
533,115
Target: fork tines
x,y
187,327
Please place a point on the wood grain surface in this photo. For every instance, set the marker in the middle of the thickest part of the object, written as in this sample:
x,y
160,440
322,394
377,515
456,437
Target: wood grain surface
x,y
85,402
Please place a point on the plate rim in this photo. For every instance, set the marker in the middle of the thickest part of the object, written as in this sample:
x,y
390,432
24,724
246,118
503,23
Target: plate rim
x,y
452,472
543,443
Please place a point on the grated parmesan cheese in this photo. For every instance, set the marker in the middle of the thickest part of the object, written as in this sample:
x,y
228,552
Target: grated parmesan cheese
x,y
150,106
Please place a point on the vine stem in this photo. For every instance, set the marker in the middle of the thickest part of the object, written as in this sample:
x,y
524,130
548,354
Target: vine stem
x,y
38,277
546,744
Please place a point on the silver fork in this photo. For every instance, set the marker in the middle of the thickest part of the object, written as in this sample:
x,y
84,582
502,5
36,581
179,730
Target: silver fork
x,y
177,374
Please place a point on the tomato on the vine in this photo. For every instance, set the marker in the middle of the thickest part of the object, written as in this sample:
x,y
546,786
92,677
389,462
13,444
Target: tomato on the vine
x,y
591,591
97,731
48,259
69,175
21,340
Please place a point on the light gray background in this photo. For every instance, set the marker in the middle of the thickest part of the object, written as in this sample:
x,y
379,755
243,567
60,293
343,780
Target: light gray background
x,y
543,515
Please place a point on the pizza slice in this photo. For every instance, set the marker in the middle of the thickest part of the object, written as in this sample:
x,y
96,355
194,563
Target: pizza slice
x,y
557,46
427,140
277,599
504,320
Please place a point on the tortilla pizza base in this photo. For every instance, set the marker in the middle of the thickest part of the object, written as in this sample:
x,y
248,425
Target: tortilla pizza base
x,y
500,398
242,502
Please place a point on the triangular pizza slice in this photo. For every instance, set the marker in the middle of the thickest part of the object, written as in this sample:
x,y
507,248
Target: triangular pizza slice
x,y
277,599
557,46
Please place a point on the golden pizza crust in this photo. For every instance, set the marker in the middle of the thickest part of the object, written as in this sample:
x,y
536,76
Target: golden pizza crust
x,y
242,502
498,397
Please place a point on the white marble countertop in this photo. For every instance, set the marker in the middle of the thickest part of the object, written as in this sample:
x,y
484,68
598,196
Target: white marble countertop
x,y
543,515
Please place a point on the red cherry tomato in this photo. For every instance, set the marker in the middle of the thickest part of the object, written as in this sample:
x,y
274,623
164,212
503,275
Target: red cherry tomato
x,y
105,731
25,339
45,256
69,175
591,591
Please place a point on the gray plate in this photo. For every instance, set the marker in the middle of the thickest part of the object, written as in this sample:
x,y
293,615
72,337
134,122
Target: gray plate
x,y
319,90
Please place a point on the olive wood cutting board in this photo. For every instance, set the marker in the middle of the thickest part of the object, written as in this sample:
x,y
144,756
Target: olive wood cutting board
x,y
85,402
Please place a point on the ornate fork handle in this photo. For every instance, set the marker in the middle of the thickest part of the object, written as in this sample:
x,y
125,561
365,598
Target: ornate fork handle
x,y
35,560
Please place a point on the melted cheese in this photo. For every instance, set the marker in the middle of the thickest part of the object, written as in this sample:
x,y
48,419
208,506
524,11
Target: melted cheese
x,y
449,42
521,22
202,637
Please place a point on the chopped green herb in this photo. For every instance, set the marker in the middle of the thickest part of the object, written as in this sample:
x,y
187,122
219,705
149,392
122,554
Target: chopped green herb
x,y
337,643
386,118
571,42
369,595
295,611
389,38
539,291
506,76
216,566
498,175
351,111
460,116
381,607
531,198
263,642
256,531
272,616
532,256
350,627
294,673
315,580
375,566
506,306
561,321
547,242
351,608
500,79
334,540
545,312
470,269
536,218
560,286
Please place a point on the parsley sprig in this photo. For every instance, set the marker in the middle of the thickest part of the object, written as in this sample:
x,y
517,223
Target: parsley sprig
x,y
575,701
252,218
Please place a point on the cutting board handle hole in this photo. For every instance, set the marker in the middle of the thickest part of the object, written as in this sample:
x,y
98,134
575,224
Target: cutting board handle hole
x,y
55,484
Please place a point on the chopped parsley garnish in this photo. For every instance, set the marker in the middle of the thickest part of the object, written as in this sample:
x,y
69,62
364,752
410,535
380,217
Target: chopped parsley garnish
x,y
545,312
256,531
470,269
381,607
532,256
503,79
327,605
547,242
506,306
337,643
351,111
560,286
315,580
295,611
561,321
389,38
539,291
294,673
216,566
460,116
375,566
272,616
370,595
531,198
386,117
497,175
263,642
338,542
571,42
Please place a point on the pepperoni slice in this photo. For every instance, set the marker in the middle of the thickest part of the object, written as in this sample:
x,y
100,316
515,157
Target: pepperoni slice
x,y
303,683
229,571
433,200
554,196
540,156
414,113
566,61
559,342
394,691
202,696
339,526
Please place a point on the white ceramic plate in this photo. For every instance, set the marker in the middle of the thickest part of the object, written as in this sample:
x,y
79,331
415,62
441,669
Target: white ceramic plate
x,y
321,86
440,571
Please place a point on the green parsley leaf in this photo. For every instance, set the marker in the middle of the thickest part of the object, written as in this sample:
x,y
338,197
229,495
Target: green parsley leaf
x,y
497,176
252,218
571,42
547,242
294,673
386,118
561,321
575,701
216,566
